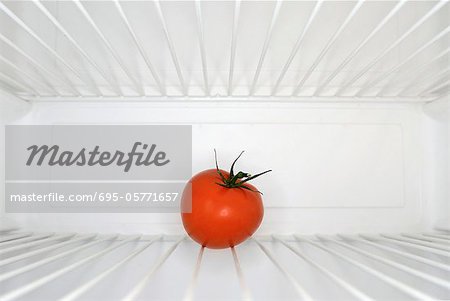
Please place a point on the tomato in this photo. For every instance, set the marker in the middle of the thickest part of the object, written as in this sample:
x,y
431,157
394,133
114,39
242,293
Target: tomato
x,y
224,211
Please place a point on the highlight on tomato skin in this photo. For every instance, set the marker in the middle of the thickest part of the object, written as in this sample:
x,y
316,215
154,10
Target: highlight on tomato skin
x,y
225,208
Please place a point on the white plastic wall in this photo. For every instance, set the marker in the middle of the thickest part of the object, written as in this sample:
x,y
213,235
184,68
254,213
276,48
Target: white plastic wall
x,y
437,162
11,109
337,167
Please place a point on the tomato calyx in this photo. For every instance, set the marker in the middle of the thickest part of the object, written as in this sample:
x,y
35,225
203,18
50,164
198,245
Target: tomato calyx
x,y
237,180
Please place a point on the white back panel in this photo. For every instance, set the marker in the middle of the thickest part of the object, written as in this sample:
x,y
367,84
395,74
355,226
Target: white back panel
x,y
317,164
346,167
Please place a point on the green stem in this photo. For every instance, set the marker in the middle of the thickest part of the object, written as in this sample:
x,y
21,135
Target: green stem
x,y
238,180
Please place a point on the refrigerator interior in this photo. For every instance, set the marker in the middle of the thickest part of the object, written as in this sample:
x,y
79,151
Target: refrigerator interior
x,y
347,102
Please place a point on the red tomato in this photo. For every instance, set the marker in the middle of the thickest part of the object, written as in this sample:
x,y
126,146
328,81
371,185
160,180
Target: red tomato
x,y
221,217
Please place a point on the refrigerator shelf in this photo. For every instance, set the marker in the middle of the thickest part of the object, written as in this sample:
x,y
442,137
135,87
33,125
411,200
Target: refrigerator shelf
x,y
334,51
71,266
